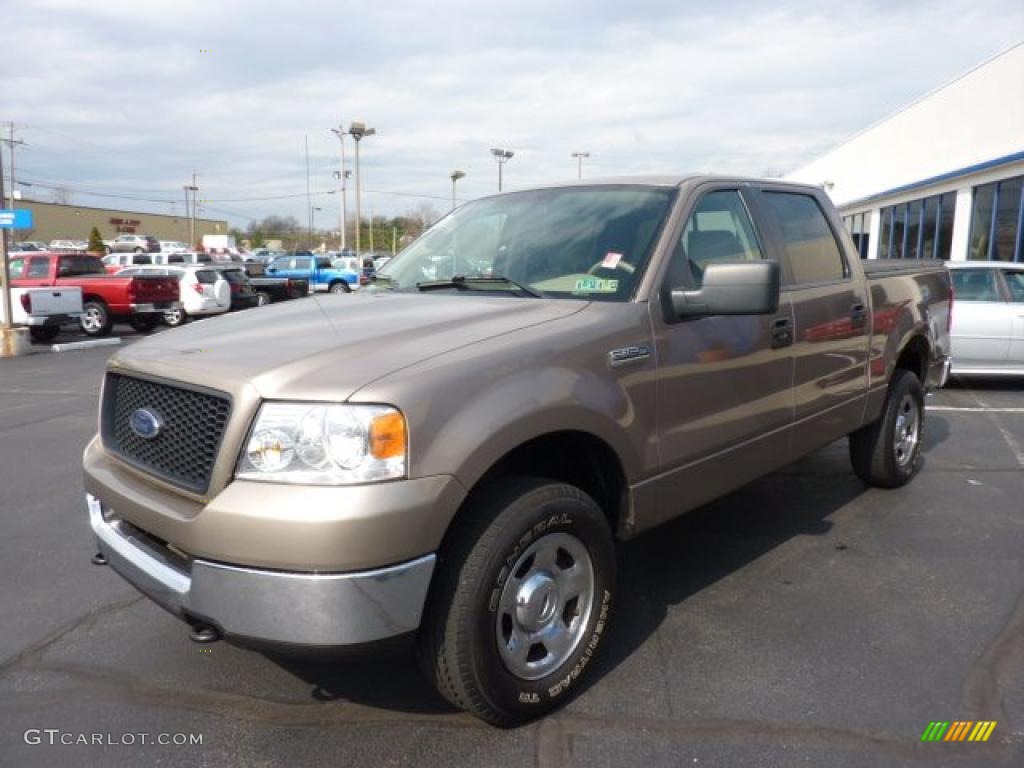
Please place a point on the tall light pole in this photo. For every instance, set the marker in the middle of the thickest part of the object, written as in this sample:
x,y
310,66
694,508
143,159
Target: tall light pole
x,y
358,131
342,176
502,156
456,175
579,162
191,211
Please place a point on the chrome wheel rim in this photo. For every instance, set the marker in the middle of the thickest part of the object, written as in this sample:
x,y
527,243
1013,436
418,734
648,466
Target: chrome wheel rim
x,y
261,300
908,430
91,320
173,316
545,606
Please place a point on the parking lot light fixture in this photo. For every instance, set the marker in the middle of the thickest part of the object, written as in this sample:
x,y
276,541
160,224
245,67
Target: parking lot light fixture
x,y
455,176
359,131
579,162
502,156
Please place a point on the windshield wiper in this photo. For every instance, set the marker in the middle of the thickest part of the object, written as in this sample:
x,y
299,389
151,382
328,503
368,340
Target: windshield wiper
x,y
478,282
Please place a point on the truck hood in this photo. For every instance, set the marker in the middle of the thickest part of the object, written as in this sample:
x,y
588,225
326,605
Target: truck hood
x,y
327,347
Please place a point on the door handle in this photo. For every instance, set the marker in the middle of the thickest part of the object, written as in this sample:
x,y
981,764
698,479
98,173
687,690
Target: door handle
x,y
858,315
782,332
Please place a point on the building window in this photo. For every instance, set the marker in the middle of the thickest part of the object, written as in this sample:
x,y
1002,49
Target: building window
x,y
919,229
996,221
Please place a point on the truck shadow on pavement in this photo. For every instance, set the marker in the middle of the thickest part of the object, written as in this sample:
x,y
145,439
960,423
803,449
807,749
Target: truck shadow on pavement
x,y
657,570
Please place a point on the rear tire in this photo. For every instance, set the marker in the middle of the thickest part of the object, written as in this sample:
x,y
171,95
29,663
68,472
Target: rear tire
x,y
144,323
96,319
339,287
520,600
886,454
44,333
262,298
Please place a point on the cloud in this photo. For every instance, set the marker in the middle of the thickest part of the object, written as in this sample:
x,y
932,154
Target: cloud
x,y
118,96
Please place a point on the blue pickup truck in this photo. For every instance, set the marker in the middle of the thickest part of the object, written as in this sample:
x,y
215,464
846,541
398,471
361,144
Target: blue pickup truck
x,y
317,269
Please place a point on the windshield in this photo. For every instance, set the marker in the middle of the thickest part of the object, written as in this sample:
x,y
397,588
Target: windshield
x,y
575,242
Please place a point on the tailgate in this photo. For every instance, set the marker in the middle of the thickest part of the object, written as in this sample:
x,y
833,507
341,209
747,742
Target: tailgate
x,y
154,288
55,301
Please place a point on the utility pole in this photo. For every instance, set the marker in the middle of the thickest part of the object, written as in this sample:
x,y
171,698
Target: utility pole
x,y
371,236
502,156
11,143
358,131
309,200
579,162
343,177
4,272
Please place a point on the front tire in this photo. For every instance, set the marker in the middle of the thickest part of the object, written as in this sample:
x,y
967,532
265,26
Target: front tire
x,y
262,298
886,454
175,317
520,600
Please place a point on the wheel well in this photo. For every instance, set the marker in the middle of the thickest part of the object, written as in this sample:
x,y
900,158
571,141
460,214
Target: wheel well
x,y
914,357
576,458
94,298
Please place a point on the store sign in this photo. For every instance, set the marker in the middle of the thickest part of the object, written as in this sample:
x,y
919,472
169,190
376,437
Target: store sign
x,y
15,218
126,226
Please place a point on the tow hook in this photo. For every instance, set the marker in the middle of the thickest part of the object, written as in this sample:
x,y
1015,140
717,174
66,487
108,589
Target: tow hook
x,y
203,633
99,559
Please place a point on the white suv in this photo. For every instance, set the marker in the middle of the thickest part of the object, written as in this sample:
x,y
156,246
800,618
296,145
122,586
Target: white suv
x,y
202,290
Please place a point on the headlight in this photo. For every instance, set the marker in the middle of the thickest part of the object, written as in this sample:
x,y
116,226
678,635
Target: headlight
x,y
321,444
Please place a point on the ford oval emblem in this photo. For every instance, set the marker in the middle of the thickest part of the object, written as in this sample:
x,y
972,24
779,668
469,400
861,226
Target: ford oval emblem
x,y
145,423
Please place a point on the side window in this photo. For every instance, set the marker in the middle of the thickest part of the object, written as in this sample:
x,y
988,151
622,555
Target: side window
x,y
975,285
1015,282
14,267
38,266
719,229
304,263
811,248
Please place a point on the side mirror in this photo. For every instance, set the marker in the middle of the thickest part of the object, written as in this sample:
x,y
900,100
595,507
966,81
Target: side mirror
x,y
732,288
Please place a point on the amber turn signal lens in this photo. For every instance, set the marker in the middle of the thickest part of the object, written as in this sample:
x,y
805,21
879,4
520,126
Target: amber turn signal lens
x,y
387,436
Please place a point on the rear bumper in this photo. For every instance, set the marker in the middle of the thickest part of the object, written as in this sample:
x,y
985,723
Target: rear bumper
x,y
39,321
157,306
308,609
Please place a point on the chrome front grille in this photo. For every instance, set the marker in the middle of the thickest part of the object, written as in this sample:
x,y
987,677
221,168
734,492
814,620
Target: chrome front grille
x,y
191,421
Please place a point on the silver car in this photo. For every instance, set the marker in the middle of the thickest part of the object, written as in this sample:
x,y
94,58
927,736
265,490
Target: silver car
x,y
988,318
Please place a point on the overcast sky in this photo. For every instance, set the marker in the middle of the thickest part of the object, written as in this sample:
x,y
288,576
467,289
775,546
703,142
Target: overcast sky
x,y
128,98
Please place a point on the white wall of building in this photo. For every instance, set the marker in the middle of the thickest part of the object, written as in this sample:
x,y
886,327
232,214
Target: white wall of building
x,y
976,118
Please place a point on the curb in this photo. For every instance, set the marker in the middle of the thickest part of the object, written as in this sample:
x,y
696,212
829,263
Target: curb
x,y
72,345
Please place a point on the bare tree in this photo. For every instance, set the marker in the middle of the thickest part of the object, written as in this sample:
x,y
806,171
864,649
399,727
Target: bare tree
x,y
62,196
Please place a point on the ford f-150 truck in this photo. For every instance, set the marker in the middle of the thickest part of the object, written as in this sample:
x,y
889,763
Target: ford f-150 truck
x,y
140,300
454,451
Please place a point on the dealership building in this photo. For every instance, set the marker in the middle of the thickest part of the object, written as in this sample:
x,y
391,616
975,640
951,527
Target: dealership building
x,y
55,221
943,177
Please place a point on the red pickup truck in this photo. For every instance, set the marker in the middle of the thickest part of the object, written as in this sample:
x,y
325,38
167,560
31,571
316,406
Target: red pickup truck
x,y
139,300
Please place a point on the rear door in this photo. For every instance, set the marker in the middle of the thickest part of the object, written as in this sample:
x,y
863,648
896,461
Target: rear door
x,y
830,315
982,320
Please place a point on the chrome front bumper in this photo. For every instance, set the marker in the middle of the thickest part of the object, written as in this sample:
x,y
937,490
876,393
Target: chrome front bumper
x,y
312,609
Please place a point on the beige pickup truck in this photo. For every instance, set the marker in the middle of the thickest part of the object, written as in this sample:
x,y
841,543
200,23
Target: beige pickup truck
x,y
453,452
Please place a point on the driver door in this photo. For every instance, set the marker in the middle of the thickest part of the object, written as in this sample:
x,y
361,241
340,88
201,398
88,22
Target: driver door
x,y
725,383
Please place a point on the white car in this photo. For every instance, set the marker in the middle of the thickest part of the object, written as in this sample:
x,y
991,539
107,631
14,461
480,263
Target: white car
x,y
987,334
182,257
173,246
63,245
202,290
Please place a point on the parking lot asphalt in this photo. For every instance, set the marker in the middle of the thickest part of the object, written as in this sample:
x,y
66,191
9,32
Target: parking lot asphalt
x,y
802,620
